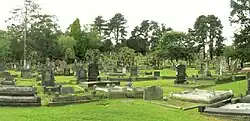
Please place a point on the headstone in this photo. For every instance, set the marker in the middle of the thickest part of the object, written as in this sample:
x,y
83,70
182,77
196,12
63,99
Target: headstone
x,y
1,68
124,70
153,93
48,78
181,74
81,76
67,90
134,71
26,73
157,73
93,72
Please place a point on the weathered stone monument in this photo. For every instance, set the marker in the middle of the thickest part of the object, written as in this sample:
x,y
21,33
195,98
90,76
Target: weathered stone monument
x,y
48,78
153,93
134,71
181,74
93,72
81,75
26,73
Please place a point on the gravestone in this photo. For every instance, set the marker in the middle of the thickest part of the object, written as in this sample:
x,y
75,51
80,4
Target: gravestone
x,y
134,71
153,93
124,70
67,90
181,74
81,76
1,68
93,72
48,78
157,73
26,74
8,80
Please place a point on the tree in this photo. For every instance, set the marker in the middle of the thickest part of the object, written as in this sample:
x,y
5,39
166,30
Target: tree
x,y
43,35
126,57
240,12
4,45
176,46
81,43
145,37
240,15
242,45
19,23
116,27
100,24
66,44
208,31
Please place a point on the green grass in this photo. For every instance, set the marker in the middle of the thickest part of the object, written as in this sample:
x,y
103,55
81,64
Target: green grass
x,y
110,110
238,87
120,109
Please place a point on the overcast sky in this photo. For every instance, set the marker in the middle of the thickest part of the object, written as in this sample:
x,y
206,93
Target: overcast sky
x,y
178,14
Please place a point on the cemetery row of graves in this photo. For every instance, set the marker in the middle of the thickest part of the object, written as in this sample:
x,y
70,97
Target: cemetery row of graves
x,y
48,86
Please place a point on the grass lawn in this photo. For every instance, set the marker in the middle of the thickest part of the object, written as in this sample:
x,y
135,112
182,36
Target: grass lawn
x,y
110,110
120,109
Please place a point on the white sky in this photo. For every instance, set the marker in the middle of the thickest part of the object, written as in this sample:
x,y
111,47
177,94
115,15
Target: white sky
x,y
178,14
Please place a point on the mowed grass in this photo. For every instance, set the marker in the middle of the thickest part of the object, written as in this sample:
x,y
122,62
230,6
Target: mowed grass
x,y
110,110
120,109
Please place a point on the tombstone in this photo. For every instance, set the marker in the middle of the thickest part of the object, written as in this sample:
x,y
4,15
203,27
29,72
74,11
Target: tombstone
x,y
81,76
26,74
115,70
93,72
157,73
134,71
124,70
153,93
78,67
1,68
67,90
8,80
48,78
181,74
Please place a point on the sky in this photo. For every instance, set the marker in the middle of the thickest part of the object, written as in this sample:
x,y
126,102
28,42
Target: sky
x,y
178,14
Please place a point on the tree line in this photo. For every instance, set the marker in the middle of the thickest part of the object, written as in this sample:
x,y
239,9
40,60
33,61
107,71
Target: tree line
x,y
107,37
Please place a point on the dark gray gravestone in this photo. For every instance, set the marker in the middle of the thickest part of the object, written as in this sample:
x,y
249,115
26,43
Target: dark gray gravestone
x,y
153,93
67,90
93,72
157,73
48,78
1,68
66,72
181,74
134,71
81,76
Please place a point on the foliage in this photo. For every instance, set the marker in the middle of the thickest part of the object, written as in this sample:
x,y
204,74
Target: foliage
x,y
208,31
93,55
145,37
4,44
117,28
126,57
176,46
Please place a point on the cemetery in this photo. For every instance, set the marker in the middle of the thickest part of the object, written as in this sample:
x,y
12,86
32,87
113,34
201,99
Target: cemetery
x,y
104,71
